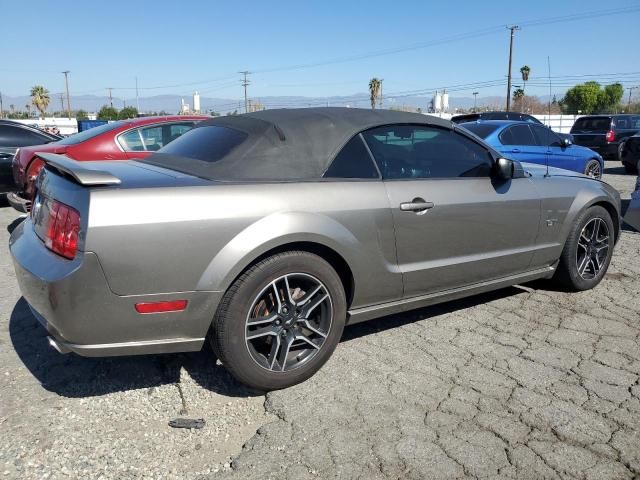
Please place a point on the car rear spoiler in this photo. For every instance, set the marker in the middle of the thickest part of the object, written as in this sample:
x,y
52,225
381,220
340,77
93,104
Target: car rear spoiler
x,y
76,170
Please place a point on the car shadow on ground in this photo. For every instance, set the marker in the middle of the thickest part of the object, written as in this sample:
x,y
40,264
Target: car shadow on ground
x,y
615,170
74,376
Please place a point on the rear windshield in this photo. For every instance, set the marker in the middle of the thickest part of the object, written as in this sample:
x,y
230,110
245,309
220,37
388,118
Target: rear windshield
x,y
592,124
88,134
203,151
483,130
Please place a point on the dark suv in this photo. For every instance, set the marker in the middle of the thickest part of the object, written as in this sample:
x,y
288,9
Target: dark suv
x,y
606,134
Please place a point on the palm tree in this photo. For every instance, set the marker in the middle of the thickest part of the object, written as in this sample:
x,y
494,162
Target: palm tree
x,y
524,71
40,98
375,87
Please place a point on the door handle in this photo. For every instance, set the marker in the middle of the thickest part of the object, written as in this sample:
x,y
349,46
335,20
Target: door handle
x,y
515,150
416,205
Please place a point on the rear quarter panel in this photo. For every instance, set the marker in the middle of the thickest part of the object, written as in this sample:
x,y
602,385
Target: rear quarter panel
x,y
201,238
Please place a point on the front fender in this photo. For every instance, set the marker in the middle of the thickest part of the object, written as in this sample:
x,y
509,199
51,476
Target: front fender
x,y
271,232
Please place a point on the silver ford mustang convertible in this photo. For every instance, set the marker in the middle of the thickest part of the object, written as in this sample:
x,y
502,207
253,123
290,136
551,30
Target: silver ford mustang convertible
x,y
266,233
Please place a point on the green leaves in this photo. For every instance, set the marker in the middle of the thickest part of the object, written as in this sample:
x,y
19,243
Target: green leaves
x,y
590,98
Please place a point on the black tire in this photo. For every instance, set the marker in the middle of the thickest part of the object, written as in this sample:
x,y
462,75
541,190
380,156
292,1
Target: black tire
x,y
230,340
630,169
567,274
620,153
593,168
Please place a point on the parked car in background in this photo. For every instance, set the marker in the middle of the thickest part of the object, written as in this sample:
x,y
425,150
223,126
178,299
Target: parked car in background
x,y
632,215
516,116
531,142
15,135
266,233
606,134
121,140
472,117
631,154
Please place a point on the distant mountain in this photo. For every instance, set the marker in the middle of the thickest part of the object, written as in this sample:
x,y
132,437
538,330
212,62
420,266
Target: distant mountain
x,y
171,103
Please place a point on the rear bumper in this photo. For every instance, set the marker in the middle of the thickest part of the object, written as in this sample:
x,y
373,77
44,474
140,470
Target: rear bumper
x,y
73,301
17,202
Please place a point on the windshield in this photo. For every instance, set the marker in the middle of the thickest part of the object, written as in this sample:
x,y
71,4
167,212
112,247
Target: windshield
x,y
88,134
592,124
483,130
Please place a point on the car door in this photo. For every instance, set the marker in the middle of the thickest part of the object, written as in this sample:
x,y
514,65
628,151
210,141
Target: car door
x,y
558,155
518,143
454,224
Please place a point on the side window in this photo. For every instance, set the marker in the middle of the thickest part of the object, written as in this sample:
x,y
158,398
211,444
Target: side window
x,y
11,136
131,141
621,123
517,135
545,136
353,161
177,129
152,138
405,151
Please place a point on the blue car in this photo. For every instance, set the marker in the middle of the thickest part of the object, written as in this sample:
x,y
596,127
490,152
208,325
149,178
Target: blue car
x,y
529,142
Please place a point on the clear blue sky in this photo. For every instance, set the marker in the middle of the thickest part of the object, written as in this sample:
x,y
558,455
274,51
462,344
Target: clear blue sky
x,y
172,43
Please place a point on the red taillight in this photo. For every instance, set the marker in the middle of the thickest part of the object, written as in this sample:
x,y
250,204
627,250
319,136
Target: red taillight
x,y
159,307
63,225
611,136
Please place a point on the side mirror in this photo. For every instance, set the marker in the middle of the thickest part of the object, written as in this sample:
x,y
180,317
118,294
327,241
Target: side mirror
x,y
565,142
503,169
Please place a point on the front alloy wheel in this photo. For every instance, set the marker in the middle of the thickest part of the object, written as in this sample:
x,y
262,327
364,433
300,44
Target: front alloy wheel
x,y
593,248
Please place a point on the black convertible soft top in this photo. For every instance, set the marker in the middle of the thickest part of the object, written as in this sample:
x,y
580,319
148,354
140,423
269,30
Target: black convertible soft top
x,y
280,144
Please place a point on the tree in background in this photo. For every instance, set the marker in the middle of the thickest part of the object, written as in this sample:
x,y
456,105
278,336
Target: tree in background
x,y
610,97
82,115
128,112
107,113
590,98
375,87
524,71
40,99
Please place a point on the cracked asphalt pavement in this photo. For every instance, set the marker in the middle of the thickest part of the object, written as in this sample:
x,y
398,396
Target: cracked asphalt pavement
x,y
525,382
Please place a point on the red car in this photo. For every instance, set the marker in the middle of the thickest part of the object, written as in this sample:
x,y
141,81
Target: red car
x,y
121,140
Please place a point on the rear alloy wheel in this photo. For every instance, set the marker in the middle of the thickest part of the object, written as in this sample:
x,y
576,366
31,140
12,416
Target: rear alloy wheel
x,y
593,169
588,250
280,321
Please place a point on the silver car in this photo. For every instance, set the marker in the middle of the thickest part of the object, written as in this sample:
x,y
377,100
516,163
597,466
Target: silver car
x,y
266,233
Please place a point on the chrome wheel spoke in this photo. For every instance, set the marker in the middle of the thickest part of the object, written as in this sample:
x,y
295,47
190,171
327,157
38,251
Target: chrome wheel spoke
x,y
273,353
306,340
262,332
284,352
308,296
308,326
583,265
262,320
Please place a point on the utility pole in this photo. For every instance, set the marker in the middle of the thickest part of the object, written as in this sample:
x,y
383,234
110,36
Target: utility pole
x,y
110,96
475,97
631,89
62,102
137,100
244,83
513,29
1,111
66,85
380,101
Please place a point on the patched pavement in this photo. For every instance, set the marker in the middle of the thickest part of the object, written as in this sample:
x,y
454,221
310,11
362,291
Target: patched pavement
x,y
526,382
